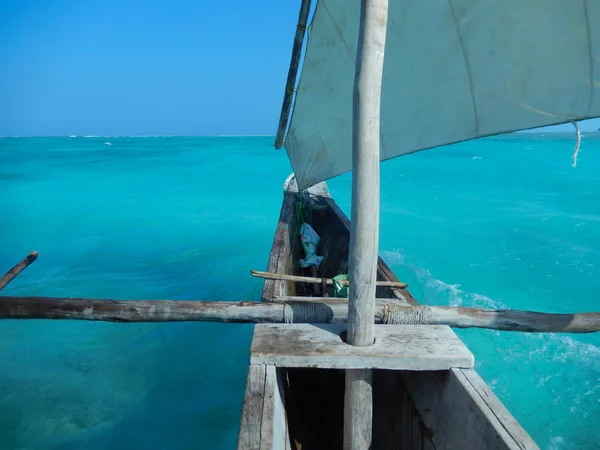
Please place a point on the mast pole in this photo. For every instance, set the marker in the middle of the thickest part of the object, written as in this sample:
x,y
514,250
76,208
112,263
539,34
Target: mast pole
x,y
364,232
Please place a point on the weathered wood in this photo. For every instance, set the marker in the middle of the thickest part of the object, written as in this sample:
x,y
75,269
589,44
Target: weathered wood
x,y
396,421
138,311
331,300
327,311
358,409
317,285
514,320
329,281
16,270
280,250
249,437
364,232
303,299
448,400
404,347
292,72
274,426
479,390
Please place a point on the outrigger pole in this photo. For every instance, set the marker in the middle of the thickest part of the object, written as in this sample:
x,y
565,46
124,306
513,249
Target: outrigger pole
x,y
290,310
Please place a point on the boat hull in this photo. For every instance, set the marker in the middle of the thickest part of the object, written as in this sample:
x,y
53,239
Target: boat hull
x,y
302,408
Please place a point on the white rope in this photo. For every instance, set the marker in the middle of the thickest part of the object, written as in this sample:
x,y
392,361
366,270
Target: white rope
x,y
306,313
321,313
407,315
578,143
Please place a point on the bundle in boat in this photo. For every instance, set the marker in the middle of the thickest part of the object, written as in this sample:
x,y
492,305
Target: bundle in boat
x,y
290,312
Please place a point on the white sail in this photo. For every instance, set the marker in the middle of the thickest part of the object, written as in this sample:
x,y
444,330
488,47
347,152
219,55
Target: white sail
x,y
454,70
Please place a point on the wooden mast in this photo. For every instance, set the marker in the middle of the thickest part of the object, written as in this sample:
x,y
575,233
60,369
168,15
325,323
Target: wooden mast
x,y
364,232
301,28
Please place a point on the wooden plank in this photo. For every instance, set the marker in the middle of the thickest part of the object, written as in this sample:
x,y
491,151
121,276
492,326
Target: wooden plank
x,y
396,421
492,406
280,287
462,412
397,347
279,248
249,436
274,425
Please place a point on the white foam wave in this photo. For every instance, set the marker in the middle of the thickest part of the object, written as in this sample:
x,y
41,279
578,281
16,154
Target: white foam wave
x,y
550,347
562,370
556,443
433,287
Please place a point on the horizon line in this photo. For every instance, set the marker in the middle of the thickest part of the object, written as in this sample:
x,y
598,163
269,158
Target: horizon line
x,y
92,136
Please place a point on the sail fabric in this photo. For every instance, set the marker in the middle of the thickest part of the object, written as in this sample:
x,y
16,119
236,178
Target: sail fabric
x,y
453,70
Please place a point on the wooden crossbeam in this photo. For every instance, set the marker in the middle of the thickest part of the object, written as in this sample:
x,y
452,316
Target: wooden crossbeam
x,y
296,311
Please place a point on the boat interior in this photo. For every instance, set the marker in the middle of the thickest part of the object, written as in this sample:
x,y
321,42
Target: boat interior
x,y
313,397
411,410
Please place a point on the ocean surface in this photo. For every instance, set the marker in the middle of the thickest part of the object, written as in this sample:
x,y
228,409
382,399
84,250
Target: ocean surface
x,y
502,222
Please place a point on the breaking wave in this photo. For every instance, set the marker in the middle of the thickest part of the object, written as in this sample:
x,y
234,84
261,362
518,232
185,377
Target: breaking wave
x,y
538,376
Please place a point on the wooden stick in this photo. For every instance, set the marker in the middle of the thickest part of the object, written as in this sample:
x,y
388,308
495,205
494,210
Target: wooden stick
x,y
364,226
12,273
292,72
327,300
258,312
329,281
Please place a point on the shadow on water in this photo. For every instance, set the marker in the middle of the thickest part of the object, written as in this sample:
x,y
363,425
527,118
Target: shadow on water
x,y
195,399
139,386
107,385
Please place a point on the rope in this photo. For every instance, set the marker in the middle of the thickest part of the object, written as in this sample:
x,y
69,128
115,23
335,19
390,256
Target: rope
x,y
308,206
306,313
407,316
577,144
299,218
303,211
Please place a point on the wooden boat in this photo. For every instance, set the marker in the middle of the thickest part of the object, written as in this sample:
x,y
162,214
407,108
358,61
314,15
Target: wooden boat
x,y
476,68
473,67
301,408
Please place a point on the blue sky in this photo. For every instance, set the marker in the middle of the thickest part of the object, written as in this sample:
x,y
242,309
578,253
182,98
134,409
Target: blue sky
x,y
132,67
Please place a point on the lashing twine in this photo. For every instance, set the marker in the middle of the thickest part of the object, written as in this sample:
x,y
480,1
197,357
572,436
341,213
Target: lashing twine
x,y
392,315
421,315
305,313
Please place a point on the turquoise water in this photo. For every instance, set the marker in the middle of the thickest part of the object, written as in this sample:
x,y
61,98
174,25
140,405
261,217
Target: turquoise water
x,y
503,222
